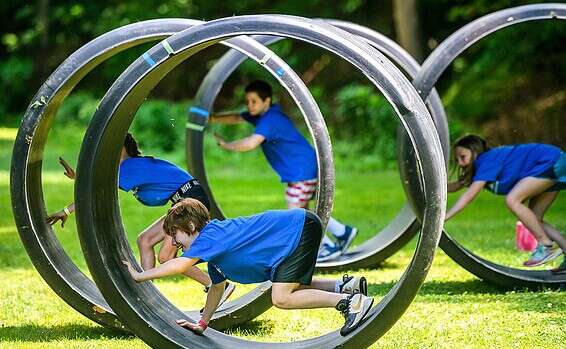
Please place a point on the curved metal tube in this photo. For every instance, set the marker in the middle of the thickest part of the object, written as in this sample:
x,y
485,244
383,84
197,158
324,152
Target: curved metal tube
x,y
144,309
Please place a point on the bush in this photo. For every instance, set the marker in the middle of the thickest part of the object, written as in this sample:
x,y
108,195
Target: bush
x,y
367,121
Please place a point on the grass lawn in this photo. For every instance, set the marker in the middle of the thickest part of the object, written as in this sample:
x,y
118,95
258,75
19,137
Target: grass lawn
x,y
453,309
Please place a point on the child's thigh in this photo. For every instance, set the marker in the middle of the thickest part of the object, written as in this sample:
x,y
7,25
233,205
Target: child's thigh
x,y
529,187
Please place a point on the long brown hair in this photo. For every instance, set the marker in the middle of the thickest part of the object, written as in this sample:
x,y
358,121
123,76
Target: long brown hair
x,y
188,215
476,145
131,146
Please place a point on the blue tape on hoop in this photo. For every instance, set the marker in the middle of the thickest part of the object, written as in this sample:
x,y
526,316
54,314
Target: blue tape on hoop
x,y
280,71
148,59
199,111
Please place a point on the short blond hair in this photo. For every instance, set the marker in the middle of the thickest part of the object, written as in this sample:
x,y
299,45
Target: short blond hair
x,y
188,215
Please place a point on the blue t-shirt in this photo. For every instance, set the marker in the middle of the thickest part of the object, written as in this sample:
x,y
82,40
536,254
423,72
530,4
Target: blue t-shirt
x,y
248,249
153,181
286,150
503,167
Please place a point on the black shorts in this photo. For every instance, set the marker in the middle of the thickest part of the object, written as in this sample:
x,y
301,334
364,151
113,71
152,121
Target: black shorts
x,y
298,267
196,192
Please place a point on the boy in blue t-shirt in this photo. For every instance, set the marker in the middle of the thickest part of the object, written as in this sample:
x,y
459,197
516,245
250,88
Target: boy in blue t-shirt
x,y
280,246
289,154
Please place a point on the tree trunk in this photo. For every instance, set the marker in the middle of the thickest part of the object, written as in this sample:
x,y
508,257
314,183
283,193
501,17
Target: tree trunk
x,y
406,18
43,28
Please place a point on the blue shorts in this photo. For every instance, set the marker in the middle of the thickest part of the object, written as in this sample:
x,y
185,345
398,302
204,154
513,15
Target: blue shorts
x,y
559,170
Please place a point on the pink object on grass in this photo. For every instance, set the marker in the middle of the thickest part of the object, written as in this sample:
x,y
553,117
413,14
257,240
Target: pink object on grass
x,y
524,239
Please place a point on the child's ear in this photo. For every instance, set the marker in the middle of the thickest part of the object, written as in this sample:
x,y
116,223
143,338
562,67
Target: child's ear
x,y
192,227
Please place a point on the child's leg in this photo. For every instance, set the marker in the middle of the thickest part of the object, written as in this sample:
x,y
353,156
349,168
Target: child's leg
x,y
335,228
527,188
290,296
539,204
150,237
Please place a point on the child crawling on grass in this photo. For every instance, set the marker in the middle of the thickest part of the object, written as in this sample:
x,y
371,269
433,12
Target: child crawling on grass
x,y
280,246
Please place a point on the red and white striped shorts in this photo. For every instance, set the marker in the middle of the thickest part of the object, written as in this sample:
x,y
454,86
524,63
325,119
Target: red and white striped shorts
x,y
298,194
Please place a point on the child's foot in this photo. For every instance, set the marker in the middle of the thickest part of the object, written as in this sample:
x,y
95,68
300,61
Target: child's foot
x,y
353,308
328,252
228,289
344,241
561,269
543,254
353,285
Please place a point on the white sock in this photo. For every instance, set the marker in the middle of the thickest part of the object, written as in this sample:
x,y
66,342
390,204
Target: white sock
x,y
337,286
335,228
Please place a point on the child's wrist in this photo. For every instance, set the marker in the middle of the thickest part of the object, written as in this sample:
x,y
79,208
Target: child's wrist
x,y
202,324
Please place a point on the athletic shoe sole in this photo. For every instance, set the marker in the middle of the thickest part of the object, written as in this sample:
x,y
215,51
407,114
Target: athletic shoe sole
x,y
366,306
329,257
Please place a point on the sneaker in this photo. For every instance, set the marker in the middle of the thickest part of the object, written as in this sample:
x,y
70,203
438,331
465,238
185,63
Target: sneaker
x,y
228,290
353,308
353,285
543,254
328,252
344,241
561,269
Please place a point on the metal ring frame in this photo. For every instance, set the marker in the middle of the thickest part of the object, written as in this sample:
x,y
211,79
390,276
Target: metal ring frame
x,y
39,239
384,243
141,306
427,77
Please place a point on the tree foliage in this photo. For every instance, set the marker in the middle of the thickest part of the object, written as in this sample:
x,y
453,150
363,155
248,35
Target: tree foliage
x,y
515,74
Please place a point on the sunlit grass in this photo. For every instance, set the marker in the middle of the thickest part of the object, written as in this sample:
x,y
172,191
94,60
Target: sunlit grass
x,y
453,309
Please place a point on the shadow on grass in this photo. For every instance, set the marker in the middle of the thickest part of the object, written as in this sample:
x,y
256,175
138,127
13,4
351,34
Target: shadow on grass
x,y
35,333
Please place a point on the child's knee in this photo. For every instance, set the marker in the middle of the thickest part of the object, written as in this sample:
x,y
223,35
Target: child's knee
x,y
280,300
511,202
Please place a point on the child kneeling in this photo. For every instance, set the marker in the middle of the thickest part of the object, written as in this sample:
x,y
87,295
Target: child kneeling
x,y
280,246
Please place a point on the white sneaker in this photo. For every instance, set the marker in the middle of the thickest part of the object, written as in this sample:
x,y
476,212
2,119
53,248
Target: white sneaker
x,y
352,285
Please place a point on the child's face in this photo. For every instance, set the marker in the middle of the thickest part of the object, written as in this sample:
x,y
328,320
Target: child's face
x,y
257,106
182,239
463,156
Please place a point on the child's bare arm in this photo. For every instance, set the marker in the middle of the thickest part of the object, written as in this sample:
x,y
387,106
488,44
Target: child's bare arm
x,y
229,117
455,186
175,266
465,198
241,145
212,299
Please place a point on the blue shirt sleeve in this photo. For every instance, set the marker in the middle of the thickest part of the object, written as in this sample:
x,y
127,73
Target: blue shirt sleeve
x,y
205,248
126,180
215,275
267,128
487,167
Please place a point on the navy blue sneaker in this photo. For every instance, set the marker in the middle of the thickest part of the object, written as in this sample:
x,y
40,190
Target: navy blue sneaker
x,y
328,252
344,241
354,309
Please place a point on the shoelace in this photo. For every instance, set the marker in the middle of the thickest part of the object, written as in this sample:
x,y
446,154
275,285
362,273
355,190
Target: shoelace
x,y
346,310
